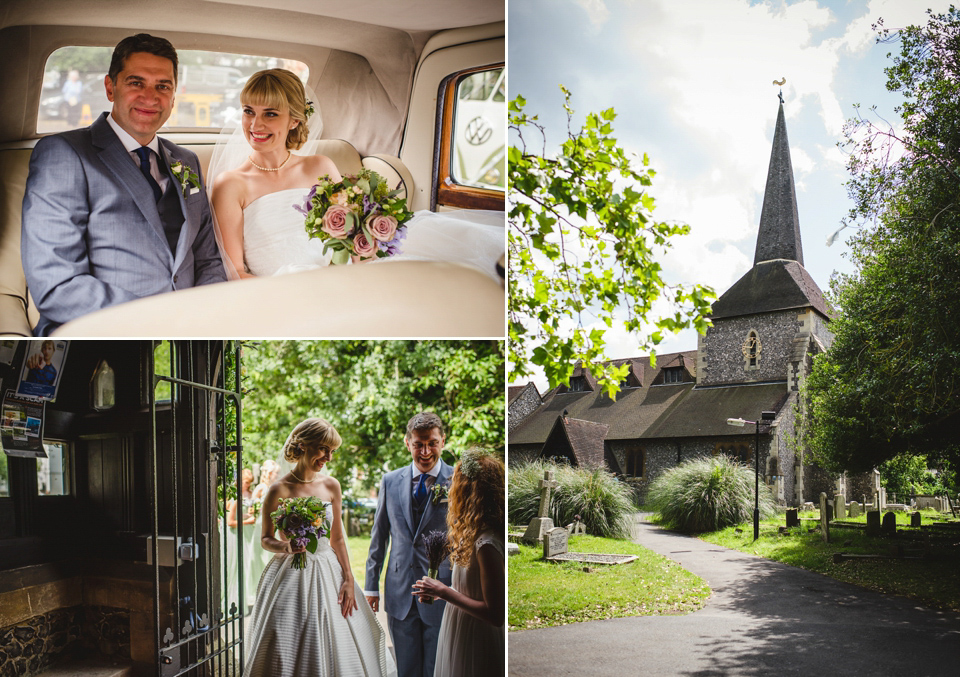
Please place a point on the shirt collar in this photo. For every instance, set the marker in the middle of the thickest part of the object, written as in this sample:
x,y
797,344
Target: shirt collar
x,y
433,472
130,143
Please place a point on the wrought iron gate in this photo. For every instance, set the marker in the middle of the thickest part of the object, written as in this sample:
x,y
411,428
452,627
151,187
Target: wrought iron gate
x,y
194,439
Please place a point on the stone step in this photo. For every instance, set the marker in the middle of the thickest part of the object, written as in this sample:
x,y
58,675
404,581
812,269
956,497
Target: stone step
x,y
88,667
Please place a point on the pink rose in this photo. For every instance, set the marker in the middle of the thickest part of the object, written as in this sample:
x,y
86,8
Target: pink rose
x,y
383,227
364,246
335,222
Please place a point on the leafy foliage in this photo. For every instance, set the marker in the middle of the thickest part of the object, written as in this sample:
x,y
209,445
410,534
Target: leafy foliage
x,y
706,494
890,383
907,475
583,242
603,503
369,390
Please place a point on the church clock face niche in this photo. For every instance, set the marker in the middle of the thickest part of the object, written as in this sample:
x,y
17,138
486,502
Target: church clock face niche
x,y
751,350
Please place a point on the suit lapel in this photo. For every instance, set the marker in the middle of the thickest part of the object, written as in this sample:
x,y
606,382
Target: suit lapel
x,y
406,497
116,158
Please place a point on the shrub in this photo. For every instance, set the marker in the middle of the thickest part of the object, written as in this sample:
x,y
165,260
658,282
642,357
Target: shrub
x,y
707,494
603,503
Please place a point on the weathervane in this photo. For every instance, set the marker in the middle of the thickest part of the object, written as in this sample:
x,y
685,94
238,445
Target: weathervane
x,y
781,82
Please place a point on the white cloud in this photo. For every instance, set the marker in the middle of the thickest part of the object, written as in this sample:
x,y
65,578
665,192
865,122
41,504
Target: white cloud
x,y
596,10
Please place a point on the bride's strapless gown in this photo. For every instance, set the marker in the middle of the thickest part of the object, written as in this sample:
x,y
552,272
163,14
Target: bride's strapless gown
x,y
297,629
275,242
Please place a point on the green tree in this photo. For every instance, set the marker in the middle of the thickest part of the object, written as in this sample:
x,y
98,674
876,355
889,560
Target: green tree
x,y
369,390
890,383
583,244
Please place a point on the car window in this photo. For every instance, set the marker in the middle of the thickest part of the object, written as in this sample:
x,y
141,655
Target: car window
x,y
208,87
477,153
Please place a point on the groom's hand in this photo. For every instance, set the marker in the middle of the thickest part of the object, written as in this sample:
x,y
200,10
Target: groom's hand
x,y
374,603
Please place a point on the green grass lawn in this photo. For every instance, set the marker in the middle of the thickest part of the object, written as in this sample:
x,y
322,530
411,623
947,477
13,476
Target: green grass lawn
x,y
543,594
357,548
932,580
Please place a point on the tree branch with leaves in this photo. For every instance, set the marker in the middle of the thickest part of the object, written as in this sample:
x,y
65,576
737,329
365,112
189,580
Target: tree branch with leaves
x,y
584,249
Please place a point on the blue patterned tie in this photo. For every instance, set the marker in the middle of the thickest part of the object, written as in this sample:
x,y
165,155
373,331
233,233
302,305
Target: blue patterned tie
x,y
420,492
144,154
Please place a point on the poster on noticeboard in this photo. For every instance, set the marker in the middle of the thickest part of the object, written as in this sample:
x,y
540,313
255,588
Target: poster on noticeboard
x,y
21,425
42,367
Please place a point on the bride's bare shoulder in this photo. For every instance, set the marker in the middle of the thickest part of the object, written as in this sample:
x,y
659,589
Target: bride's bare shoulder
x,y
231,185
318,165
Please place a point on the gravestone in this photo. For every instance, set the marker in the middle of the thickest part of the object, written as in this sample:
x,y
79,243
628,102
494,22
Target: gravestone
x,y
824,518
854,509
873,523
792,519
889,526
513,548
915,519
540,524
576,527
839,511
555,542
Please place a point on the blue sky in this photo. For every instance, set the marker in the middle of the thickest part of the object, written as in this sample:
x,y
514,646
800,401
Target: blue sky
x,y
691,81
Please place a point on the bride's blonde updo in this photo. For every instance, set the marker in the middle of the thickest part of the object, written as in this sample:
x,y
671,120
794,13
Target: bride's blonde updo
x,y
279,88
310,434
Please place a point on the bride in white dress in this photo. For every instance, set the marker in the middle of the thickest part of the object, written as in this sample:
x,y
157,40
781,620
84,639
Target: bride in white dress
x,y
471,640
309,623
260,174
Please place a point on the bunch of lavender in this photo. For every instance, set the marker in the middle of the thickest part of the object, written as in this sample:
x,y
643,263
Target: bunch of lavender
x,y
303,520
437,547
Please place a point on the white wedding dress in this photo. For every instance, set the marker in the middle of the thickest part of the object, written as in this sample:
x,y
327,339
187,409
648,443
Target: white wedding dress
x,y
298,630
467,646
275,242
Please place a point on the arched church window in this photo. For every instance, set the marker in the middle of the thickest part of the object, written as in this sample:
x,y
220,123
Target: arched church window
x,y
751,350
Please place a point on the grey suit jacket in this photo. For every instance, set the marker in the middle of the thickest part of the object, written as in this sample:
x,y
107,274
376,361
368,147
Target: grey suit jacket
x,y
393,523
92,235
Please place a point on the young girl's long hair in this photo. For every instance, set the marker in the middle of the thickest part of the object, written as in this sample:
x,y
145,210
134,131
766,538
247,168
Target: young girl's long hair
x,y
476,503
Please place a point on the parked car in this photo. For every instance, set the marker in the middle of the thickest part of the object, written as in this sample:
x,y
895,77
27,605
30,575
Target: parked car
x,y
387,77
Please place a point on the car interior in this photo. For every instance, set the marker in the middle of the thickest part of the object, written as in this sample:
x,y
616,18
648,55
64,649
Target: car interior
x,y
390,77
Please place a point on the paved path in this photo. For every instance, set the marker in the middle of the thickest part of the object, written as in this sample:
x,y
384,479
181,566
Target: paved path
x,y
763,618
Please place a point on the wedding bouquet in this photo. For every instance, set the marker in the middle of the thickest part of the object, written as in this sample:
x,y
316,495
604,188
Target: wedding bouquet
x,y
357,216
303,520
437,547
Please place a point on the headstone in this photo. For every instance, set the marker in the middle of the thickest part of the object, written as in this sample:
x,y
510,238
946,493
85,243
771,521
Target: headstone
x,y
854,509
513,548
792,519
540,524
576,527
873,523
889,526
915,519
555,542
824,518
838,507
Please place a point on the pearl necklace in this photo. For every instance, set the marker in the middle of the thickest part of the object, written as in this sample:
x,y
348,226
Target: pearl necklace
x,y
269,169
292,474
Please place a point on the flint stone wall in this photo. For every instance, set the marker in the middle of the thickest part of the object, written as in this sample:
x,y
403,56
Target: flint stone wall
x,y
34,644
723,344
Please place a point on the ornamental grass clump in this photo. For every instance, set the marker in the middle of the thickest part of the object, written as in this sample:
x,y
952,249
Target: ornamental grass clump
x,y
602,502
707,494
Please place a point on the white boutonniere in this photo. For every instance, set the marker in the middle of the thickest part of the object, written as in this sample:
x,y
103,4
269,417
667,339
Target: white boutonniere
x,y
439,493
187,178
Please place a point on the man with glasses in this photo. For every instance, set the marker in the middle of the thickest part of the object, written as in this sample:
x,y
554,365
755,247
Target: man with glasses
x,y
411,504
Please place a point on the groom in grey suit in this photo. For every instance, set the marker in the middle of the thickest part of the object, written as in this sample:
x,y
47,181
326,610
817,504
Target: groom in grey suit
x,y
106,218
406,510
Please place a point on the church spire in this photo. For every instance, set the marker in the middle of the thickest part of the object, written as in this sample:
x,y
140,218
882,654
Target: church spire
x,y
779,236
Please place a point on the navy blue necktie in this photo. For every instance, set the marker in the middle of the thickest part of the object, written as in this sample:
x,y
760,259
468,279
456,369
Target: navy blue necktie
x,y
144,154
420,492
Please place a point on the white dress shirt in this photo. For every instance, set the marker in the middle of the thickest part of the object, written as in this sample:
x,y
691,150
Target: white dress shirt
x,y
131,144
